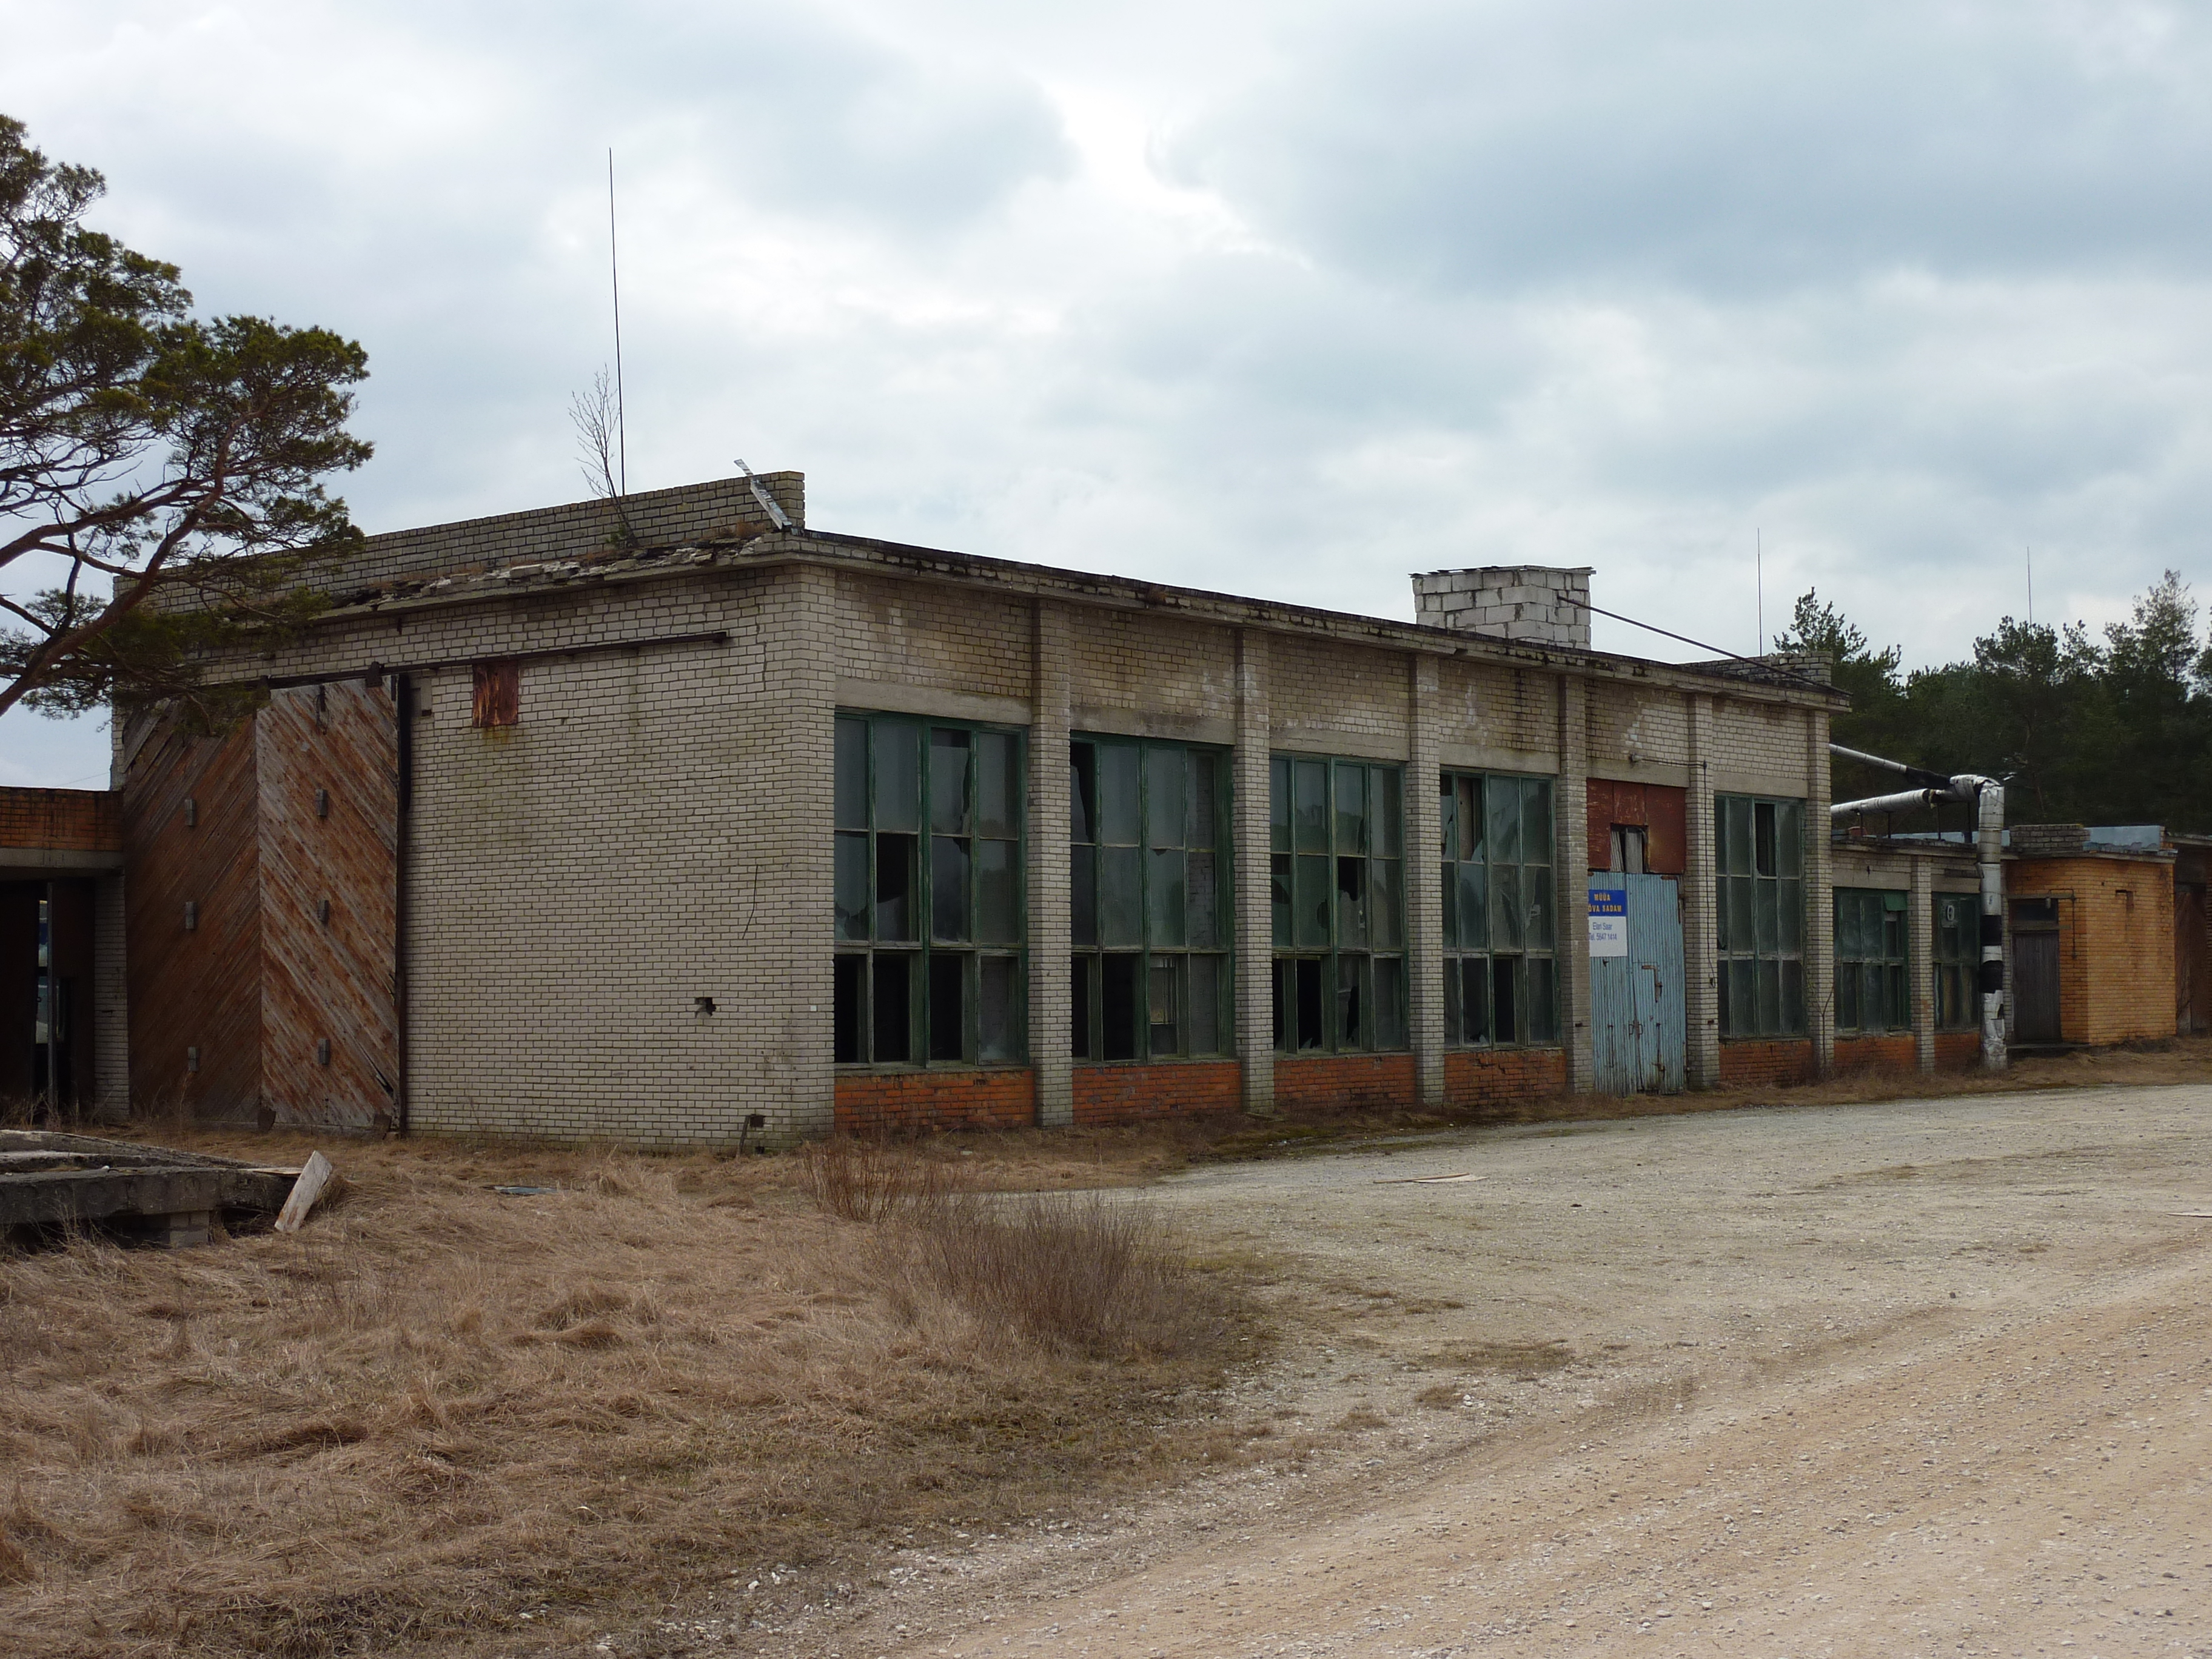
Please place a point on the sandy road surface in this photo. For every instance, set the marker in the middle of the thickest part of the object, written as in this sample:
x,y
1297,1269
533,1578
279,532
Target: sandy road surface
x,y
1910,1378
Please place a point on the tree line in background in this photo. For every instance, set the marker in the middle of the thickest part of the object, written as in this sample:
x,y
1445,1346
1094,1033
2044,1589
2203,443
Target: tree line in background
x,y
2115,730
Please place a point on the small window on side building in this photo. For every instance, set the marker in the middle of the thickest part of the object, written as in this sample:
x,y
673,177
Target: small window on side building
x,y
498,695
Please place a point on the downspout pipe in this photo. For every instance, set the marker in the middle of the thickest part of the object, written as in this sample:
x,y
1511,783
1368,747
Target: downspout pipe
x,y
1988,796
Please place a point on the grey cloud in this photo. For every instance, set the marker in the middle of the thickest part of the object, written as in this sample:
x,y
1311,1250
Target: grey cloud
x,y
1726,145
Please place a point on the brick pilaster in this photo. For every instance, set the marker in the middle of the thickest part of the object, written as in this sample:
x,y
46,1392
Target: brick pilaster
x,y
1571,870
1423,882
1700,940
1819,898
1051,1029
1256,938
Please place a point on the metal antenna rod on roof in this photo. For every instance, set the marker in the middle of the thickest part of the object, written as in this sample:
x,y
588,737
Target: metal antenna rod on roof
x,y
1759,584
614,276
2031,586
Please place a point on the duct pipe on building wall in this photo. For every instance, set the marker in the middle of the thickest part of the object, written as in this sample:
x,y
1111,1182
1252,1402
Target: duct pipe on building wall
x,y
1903,801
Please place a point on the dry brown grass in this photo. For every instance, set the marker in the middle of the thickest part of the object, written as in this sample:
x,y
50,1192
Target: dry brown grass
x,y
438,1408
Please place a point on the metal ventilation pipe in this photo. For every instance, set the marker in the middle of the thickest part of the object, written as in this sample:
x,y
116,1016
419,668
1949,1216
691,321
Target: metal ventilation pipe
x,y
1988,796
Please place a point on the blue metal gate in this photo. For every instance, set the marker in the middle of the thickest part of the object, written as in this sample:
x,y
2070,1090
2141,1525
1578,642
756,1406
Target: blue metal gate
x,y
1637,1025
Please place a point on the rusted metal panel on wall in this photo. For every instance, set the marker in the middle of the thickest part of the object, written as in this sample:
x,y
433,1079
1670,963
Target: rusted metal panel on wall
x,y
328,773
1659,808
189,839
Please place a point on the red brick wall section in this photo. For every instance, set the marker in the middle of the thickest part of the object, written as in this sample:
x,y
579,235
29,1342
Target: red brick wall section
x,y
62,820
1891,1052
1490,1077
1767,1063
1958,1051
903,1102
1130,1094
1347,1081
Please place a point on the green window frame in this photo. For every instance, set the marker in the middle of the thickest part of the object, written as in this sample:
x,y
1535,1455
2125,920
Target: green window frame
x,y
1151,922
931,906
1759,846
1337,890
1500,903
1957,935
1873,985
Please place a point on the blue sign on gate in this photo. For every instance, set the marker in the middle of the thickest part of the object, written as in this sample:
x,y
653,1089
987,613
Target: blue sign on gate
x,y
1608,921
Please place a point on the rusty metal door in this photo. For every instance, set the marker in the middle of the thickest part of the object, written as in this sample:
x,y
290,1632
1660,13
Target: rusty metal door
x,y
2035,987
1638,1024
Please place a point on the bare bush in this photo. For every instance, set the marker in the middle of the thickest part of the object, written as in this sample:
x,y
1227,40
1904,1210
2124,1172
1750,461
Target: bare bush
x,y
873,1181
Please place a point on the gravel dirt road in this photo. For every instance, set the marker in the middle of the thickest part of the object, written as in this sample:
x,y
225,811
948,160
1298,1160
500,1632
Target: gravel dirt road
x,y
1920,1377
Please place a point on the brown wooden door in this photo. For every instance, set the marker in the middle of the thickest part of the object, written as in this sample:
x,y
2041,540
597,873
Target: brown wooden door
x,y
2035,987
2192,962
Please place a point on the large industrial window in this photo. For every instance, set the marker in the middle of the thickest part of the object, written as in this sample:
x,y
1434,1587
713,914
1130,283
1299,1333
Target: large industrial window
x,y
1499,929
929,916
1336,874
1873,985
1759,846
1149,899
1957,931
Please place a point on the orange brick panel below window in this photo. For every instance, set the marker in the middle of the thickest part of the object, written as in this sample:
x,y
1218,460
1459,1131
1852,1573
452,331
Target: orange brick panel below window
x,y
1891,1052
907,1101
1958,1051
1344,1081
1789,1060
1493,1076
1132,1094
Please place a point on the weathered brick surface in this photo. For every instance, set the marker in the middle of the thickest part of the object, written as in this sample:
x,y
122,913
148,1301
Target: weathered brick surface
x,y
1496,707
62,820
900,1103
1958,1051
1757,1063
1894,1052
1490,1077
910,633
2115,942
1133,1094
1346,1082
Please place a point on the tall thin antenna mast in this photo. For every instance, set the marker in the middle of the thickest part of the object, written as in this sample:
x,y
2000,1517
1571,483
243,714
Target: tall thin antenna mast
x,y
614,274
2031,586
1759,582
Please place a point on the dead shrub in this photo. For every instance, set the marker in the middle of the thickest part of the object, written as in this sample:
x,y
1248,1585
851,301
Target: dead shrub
x,y
873,1181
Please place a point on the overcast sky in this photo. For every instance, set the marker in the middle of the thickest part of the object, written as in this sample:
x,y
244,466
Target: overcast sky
x,y
1287,299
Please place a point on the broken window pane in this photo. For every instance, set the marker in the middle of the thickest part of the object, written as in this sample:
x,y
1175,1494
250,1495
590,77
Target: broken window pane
x,y
1352,1012
1505,985
1206,930
1447,819
1538,899
1309,824
1535,820
893,1027
948,889
1543,1001
852,886
1450,884
1311,1031
1351,904
851,987
1205,773
1121,897
1474,999
1763,834
1203,1005
1082,895
1451,1000
1164,797
1164,1006
852,774
998,785
1084,1043
1279,900
1120,1005
1790,834
1281,1001
998,893
1504,819
948,780
898,775
998,1009
948,1006
1083,792
1164,897
894,888
1506,919
1120,820
1471,842
1474,907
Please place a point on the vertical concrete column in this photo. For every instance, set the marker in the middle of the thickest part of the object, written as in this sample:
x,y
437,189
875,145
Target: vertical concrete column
x,y
792,851
1819,898
1571,870
110,1004
1051,1024
1424,903
1920,929
1256,932
1700,921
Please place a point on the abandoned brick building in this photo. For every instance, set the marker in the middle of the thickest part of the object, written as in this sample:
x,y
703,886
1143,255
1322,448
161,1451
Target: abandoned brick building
x,y
729,827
